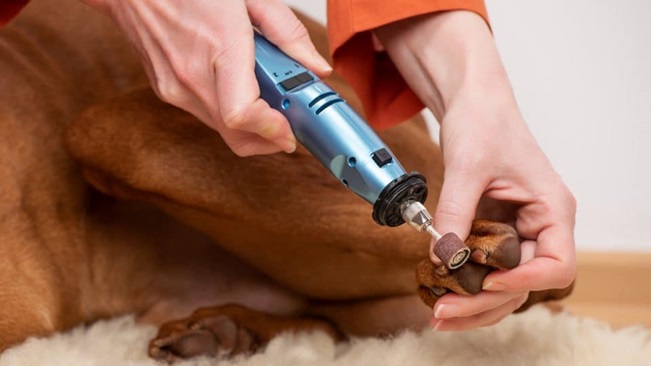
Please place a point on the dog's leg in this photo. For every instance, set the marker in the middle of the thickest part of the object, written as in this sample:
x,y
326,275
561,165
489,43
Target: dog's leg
x,y
136,147
281,213
142,261
227,331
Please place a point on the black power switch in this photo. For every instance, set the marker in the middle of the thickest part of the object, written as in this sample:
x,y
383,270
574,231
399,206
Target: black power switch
x,y
382,157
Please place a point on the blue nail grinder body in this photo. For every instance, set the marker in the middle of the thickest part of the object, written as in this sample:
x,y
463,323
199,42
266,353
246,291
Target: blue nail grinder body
x,y
337,136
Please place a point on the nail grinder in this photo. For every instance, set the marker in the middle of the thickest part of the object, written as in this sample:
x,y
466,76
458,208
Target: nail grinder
x,y
345,144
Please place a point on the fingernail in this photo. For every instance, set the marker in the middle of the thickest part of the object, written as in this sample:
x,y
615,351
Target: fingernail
x,y
446,311
494,286
433,323
436,260
436,325
287,144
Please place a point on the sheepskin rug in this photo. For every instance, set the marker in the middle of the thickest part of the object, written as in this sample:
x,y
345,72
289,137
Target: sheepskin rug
x,y
536,337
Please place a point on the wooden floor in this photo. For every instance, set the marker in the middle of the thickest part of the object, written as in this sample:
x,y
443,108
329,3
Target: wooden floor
x,y
614,287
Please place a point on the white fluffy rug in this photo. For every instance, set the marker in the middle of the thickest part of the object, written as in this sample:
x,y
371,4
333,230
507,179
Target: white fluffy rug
x,y
536,337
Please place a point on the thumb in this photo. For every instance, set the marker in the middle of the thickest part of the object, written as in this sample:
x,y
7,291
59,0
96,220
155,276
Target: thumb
x,y
278,23
457,204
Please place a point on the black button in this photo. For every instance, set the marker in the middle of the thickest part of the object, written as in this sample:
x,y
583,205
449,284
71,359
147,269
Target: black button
x,y
295,81
382,157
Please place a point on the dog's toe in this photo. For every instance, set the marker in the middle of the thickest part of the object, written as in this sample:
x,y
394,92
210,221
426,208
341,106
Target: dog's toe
x,y
215,336
494,244
434,283
184,345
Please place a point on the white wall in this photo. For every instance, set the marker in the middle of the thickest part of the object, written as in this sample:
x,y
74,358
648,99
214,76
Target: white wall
x,y
581,73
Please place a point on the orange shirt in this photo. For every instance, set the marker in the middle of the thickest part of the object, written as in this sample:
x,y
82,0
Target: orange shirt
x,y
386,97
9,9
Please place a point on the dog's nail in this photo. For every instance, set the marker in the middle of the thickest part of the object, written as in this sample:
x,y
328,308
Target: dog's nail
x,y
446,311
494,286
438,291
441,270
478,256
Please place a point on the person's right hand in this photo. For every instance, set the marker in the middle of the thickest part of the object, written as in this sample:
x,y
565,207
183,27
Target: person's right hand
x,y
199,56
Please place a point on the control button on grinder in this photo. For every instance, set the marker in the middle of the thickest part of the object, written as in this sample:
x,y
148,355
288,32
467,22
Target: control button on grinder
x,y
382,157
295,81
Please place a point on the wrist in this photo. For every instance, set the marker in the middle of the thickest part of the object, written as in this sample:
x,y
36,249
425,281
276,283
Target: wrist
x,y
447,58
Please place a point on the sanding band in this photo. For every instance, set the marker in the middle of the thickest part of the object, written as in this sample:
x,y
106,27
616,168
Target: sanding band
x,y
451,250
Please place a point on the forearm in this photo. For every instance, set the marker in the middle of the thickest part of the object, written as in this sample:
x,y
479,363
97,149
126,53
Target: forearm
x,y
447,57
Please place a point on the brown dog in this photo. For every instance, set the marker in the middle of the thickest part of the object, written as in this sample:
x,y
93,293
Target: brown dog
x,y
174,221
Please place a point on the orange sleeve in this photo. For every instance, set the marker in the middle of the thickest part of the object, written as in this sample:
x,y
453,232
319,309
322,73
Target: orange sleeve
x,y
385,95
9,9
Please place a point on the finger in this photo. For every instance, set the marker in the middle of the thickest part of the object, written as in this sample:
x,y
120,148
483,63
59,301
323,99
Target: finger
x,y
553,265
457,204
527,251
237,90
258,118
247,144
456,306
432,256
486,318
279,24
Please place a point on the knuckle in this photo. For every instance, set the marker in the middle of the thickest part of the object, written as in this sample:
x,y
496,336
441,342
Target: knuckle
x,y
228,50
468,162
449,209
170,91
297,31
190,69
235,119
570,199
175,87
564,194
242,146
567,275
520,300
242,150
496,320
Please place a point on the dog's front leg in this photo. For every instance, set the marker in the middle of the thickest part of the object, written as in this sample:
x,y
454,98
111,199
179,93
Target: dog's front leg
x,y
284,214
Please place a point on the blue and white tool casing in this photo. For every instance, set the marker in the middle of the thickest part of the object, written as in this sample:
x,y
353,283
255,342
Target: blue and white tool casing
x,y
325,124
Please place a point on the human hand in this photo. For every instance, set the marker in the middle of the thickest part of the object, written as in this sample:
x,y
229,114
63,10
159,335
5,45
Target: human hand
x,y
199,56
488,152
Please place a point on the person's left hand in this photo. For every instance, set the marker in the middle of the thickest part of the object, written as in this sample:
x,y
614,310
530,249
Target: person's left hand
x,y
451,62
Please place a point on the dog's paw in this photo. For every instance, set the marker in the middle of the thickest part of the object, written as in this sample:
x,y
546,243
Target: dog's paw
x,y
205,333
493,245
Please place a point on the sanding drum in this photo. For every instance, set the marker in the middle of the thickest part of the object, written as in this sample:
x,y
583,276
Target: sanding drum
x,y
451,250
